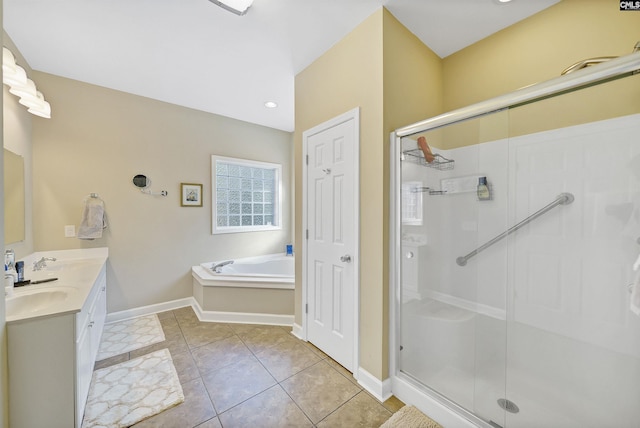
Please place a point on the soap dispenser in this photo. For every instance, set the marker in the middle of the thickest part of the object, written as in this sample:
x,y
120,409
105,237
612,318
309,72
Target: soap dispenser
x,y
9,259
484,194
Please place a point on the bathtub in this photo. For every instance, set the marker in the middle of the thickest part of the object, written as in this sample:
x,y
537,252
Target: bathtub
x,y
269,271
251,290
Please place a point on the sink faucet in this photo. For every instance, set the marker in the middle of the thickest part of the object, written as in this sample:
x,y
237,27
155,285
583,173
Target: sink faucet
x,y
42,263
217,268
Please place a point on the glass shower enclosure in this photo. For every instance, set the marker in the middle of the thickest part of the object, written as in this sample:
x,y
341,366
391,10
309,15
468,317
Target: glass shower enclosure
x,y
516,258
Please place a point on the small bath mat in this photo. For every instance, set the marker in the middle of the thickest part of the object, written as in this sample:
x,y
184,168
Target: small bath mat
x,y
129,392
410,417
126,335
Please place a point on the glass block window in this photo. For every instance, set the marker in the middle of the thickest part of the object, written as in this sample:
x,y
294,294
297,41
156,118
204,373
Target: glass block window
x,y
246,195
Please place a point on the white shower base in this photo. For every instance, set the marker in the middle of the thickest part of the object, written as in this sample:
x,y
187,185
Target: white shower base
x,y
551,378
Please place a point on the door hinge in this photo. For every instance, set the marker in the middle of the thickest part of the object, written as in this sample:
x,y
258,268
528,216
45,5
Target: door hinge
x,y
307,160
306,308
307,233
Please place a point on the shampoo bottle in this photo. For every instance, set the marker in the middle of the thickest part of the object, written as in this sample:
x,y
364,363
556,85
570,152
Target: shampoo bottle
x,y
483,189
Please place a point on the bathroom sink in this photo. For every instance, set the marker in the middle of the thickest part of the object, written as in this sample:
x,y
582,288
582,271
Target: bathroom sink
x,y
36,300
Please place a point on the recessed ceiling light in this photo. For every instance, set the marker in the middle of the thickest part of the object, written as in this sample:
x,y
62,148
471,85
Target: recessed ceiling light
x,y
270,104
504,1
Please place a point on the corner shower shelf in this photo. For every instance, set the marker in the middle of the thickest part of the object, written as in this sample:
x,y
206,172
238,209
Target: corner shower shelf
x,y
440,162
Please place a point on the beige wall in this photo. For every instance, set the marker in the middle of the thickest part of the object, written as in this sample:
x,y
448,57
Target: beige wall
x,y
347,76
97,140
394,79
16,136
537,49
17,132
4,396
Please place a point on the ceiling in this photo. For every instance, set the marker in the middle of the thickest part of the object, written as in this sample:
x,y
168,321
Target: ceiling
x,y
198,55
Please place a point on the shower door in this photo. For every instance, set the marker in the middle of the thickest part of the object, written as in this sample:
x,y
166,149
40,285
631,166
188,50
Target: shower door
x,y
573,354
453,317
514,309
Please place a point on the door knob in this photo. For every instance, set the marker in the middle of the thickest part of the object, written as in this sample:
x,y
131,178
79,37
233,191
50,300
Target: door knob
x,y
346,258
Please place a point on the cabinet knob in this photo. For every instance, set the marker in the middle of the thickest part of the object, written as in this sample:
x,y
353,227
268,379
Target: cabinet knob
x,y
91,323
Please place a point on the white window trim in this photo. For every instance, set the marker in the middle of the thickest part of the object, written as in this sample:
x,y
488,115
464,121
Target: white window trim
x,y
277,200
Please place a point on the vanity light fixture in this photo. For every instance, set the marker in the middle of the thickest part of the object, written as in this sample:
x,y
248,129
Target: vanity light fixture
x,y
239,7
12,74
24,88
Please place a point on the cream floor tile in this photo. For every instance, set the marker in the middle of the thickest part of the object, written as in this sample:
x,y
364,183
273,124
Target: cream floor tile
x,y
186,316
196,409
235,383
344,372
174,341
362,411
108,362
166,315
393,404
255,376
261,338
319,390
203,333
211,423
185,366
272,408
220,354
286,359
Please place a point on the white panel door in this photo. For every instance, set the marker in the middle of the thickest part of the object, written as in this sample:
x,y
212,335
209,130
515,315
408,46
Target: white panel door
x,y
331,268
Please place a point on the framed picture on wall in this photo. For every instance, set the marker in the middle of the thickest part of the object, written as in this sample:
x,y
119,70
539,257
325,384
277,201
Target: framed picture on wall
x,y
190,195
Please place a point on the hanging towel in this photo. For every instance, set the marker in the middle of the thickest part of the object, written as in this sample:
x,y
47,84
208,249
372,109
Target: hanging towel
x,y
93,219
635,289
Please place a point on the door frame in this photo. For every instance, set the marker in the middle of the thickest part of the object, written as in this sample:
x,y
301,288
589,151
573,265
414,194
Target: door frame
x,y
345,117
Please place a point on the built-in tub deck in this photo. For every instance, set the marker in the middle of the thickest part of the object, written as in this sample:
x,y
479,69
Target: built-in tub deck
x,y
253,290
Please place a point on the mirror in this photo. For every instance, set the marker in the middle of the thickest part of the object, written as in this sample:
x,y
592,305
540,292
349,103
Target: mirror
x,y
141,181
14,210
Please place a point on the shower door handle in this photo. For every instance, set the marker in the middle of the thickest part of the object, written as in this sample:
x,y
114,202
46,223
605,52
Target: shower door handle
x,y
346,258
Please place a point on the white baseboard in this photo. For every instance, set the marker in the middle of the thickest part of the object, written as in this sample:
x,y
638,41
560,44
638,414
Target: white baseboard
x,y
380,389
208,316
151,309
297,331
242,317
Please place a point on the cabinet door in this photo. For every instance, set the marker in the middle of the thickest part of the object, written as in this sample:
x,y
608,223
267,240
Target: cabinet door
x,y
98,316
84,371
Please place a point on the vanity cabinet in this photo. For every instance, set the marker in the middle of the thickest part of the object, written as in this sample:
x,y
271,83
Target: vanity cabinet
x,y
51,362
89,326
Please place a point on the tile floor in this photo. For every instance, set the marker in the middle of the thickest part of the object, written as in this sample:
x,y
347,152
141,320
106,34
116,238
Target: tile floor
x,y
239,375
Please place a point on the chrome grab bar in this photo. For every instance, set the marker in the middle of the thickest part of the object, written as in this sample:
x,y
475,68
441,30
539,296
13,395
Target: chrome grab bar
x,y
562,199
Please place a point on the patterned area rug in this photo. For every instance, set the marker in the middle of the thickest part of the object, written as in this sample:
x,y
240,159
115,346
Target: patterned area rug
x,y
126,335
410,417
126,393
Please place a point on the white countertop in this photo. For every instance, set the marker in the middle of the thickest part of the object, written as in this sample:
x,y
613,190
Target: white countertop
x,y
76,270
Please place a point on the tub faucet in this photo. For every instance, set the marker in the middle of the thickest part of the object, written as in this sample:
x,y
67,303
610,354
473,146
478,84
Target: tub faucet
x,y
42,263
217,268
